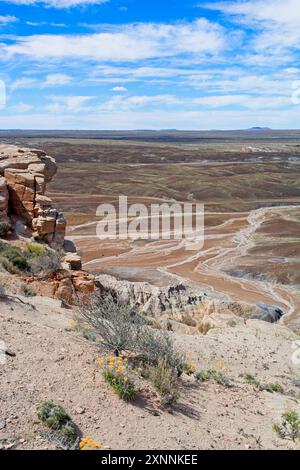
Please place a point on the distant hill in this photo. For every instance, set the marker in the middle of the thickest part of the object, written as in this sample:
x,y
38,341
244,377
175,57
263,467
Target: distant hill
x,y
257,128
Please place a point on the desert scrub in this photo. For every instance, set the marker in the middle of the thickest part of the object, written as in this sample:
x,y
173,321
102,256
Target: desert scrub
x,y
116,322
273,387
56,418
165,381
214,375
35,259
28,292
5,228
43,261
156,346
116,374
14,258
36,249
289,427
87,443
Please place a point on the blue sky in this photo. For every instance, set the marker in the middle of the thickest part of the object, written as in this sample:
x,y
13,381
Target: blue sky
x,y
129,64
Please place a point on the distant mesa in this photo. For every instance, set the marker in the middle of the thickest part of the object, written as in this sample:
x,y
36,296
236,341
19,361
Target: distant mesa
x,y
257,128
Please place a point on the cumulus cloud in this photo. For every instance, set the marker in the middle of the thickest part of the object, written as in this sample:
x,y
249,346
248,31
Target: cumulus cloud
x,y
119,88
278,21
57,3
72,103
7,19
125,42
125,103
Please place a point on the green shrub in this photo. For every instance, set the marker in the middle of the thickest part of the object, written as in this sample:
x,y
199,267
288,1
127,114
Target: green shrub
x,y
273,387
5,227
56,418
17,258
122,385
214,375
36,249
289,427
202,376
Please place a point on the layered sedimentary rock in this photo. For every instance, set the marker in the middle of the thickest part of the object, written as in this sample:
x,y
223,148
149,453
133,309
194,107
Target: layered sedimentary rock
x,y
22,192
180,307
3,198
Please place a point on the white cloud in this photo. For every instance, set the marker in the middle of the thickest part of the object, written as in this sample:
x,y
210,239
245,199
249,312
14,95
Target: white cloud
x,y
57,79
119,88
244,101
128,120
125,42
278,21
22,108
57,3
7,19
61,104
125,103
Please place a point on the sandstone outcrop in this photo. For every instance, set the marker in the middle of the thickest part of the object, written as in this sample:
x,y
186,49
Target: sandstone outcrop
x,y
24,175
64,285
3,198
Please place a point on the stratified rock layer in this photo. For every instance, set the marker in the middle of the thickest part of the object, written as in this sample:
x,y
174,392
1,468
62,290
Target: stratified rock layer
x,y
22,192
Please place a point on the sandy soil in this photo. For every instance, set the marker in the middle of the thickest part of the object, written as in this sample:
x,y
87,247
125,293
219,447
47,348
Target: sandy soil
x,y
53,362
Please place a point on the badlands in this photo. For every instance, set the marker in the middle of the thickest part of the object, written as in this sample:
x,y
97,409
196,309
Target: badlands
x,y
213,302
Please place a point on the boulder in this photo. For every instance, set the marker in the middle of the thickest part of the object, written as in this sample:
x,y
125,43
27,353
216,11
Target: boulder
x,y
73,261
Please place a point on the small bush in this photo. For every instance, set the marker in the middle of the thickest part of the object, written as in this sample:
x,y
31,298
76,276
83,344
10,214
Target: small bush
x,y
36,249
289,427
189,368
28,292
5,227
44,262
250,379
165,382
273,387
116,322
216,376
116,375
55,417
202,376
16,257
157,346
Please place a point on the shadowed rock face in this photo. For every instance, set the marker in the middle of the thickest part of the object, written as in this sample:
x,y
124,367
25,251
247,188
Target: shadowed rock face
x,y
24,174
268,313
